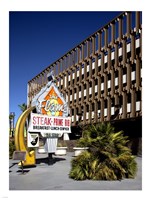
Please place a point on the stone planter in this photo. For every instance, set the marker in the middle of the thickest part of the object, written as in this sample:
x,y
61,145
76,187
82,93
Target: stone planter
x,y
41,150
61,151
78,150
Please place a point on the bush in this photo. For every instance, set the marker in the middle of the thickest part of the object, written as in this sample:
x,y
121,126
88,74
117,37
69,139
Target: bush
x,y
11,148
108,157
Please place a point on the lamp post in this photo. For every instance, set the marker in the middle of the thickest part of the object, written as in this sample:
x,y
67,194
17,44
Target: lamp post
x,y
12,127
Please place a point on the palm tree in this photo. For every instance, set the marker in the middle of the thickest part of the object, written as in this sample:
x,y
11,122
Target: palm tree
x,y
23,107
108,157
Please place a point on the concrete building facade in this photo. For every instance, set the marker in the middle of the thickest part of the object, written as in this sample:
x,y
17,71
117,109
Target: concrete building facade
x,y
101,78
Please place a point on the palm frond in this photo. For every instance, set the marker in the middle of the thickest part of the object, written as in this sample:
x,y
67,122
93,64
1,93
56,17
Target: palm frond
x,y
108,157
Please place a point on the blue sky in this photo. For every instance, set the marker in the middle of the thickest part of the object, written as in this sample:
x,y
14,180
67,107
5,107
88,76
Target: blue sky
x,y
37,39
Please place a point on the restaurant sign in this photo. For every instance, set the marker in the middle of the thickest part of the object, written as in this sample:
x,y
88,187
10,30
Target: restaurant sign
x,y
49,126
51,117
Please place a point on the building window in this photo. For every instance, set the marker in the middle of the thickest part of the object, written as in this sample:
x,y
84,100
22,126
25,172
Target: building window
x,y
133,75
138,50
87,108
93,71
124,78
72,111
129,54
90,85
138,101
109,82
120,104
99,108
99,105
102,87
116,79
99,68
113,62
96,81
120,58
105,107
138,96
128,102
92,106
112,106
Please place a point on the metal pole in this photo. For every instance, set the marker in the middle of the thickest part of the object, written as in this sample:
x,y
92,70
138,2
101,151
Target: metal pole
x,y
50,158
13,116
22,167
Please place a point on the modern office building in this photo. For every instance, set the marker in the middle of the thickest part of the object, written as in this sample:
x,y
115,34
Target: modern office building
x,y
101,78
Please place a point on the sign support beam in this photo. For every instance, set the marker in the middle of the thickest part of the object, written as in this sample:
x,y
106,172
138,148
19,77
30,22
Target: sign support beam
x,y
19,138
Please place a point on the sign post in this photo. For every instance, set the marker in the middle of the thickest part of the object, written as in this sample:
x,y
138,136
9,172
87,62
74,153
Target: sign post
x,y
21,156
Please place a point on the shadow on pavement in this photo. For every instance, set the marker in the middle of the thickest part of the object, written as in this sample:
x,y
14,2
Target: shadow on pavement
x,y
45,160
23,172
13,165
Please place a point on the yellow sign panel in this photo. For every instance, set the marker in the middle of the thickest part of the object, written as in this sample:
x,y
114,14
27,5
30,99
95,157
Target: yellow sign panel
x,y
52,104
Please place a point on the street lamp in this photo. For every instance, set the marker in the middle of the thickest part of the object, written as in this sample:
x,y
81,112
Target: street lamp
x,y
12,127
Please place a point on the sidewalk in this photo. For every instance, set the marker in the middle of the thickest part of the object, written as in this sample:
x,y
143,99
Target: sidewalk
x,y
55,177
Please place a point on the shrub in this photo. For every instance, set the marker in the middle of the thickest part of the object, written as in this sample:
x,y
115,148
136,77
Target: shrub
x,y
108,157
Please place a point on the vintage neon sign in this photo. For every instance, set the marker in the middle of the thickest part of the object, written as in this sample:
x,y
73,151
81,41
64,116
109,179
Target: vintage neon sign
x,y
50,102
53,104
52,112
